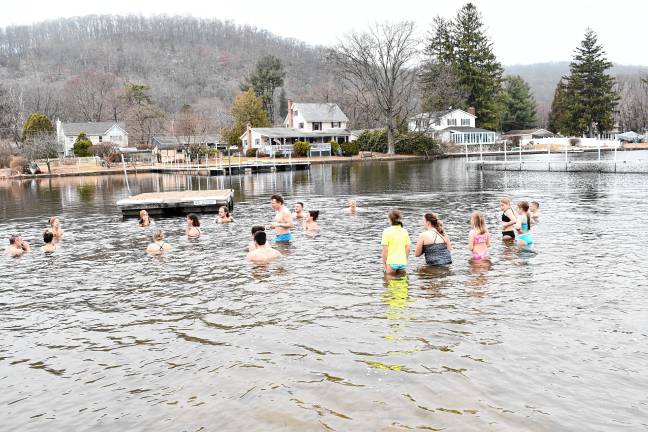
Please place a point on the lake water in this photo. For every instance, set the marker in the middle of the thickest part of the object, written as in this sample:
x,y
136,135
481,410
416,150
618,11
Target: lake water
x,y
101,337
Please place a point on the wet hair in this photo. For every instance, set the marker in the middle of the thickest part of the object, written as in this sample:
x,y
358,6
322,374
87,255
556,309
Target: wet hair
x,y
51,220
436,223
314,214
478,221
226,210
506,200
141,219
158,235
395,217
48,236
257,228
13,238
194,219
524,206
260,238
277,198
536,203
300,203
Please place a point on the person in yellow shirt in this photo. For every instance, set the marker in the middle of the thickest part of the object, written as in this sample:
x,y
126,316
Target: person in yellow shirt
x,y
395,245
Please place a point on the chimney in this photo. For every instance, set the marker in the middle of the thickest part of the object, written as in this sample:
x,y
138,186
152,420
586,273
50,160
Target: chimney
x,y
471,110
249,135
290,113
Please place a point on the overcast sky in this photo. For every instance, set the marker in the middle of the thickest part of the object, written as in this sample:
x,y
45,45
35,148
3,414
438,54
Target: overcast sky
x,y
523,31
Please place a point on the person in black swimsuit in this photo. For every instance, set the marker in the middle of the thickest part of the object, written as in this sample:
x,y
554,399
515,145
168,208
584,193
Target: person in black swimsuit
x,y
159,246
434,242
508,219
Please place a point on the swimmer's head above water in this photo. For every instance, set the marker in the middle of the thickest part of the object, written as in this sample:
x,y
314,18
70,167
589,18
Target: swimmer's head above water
x,y
193,220
394,217
260,238
276,201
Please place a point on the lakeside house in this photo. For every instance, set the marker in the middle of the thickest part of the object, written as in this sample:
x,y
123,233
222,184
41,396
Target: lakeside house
x,y
315,123
171,148
454,126
97,133
527,136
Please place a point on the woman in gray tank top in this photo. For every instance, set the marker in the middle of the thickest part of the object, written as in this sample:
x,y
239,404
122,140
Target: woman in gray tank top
x,y
434,242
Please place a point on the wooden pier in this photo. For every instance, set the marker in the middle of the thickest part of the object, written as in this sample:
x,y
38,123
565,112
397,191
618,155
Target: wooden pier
x,y
176,203
222,169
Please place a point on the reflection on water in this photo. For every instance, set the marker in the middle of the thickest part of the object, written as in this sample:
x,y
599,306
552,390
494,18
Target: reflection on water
x,y
100,336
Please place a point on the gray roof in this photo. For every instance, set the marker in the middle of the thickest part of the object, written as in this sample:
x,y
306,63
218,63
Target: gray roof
x,y
536,132
91,128
320,112
165,142
437,114
297,133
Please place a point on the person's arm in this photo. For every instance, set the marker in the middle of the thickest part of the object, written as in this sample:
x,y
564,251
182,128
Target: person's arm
x,y
24,246
407,250
384,255
513,219
471,241
418,251
488,239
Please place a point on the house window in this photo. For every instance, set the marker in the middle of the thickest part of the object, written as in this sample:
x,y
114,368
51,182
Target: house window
x,y
296,113
257,142
437,122
336,124
317,126
452,122
465,122
100,138
115,138
301,125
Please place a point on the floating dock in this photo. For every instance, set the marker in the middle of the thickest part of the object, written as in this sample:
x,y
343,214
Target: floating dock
x,y
176,203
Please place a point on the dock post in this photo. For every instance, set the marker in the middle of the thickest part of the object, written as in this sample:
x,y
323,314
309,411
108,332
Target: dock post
x,y
466,144
549,157
520,154
615,156
566,161
125,173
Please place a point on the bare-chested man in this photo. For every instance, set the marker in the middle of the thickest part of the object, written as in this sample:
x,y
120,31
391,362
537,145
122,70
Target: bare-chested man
x,y
17,246
283,219
299,211
263,253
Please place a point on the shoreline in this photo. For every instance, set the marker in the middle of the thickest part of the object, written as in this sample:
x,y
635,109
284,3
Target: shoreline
x,y
325,160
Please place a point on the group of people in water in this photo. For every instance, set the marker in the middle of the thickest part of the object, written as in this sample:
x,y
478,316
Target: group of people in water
x,y
433,243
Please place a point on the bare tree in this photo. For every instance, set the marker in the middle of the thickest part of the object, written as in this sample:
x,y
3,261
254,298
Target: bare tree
x,y
379,67
144,121
88,95
42,146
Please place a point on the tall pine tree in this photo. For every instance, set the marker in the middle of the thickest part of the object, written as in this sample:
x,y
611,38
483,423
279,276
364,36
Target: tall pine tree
x,y
268,75
519,110
590,97
474,75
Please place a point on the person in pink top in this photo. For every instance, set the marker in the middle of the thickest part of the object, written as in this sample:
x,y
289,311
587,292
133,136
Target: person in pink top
x,y
479,237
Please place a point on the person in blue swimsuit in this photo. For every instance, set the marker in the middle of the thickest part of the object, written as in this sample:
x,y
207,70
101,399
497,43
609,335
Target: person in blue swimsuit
x,y
523,225
283,220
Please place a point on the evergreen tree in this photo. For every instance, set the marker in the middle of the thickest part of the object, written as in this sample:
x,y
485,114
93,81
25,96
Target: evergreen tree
x,y
247,108
82,146
520,110
477,67
36,124
462,69
559,121
268,75
591,99
283,104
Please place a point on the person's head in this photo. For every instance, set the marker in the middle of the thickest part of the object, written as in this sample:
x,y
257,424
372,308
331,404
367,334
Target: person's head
x,y
193,220
14,240
53,221
352,204
394,217
505,203
299,207
158,235
478,222
431,220
143,217
523,206
313,215
260,238
223,212
256,229
48,237
276,201
534,206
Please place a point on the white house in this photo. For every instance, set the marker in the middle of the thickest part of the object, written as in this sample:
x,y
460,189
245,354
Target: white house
x,y
527,136
452,126
313,117
316,123
97,133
